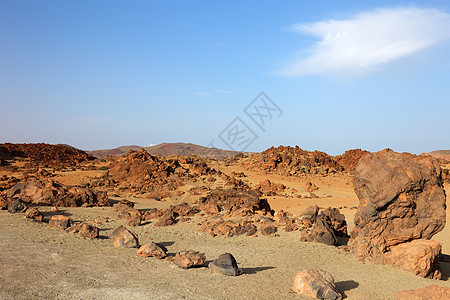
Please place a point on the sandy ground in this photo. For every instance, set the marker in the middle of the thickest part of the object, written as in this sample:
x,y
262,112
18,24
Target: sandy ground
x,y
40,262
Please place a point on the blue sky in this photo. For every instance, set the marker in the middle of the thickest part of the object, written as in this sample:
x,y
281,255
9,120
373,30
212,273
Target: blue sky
x,y
346,74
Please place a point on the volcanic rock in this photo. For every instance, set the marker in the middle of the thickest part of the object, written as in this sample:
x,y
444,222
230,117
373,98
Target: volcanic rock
x,y
336,220
16,206
167,219
188,259
232,201
48,192
134,218
267,229
316,283
351,158
430,292
226,264
320,232
152,249
269,188
59,221
420,257
310,187
84,230
401,199
34,213
123,237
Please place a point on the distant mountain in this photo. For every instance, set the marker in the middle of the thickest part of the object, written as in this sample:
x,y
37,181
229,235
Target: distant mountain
x,y
112,152
169,149
442,154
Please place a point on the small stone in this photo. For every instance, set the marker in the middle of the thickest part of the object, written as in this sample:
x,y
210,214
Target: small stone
x,y
34,213
226,264
59,221
84,230
188,259
123,237
152,249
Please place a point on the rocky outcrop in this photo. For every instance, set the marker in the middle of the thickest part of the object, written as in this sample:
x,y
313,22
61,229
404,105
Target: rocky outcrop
x,y
49,192
310,187
401,200
351,158
237,202
16,206
431,292
316,283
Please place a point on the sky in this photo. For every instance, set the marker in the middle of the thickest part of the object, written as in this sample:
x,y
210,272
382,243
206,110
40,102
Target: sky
x,y
240,75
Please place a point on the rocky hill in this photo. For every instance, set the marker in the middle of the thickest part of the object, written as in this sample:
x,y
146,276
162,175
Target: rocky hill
x,y
171,149
43,154
441,154
100,154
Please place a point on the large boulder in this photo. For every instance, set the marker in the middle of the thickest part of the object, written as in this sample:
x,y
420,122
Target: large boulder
x,y
60,221
316,283
189,259
123,237
84,230
430,292
226,264
420,257
401,199
152,249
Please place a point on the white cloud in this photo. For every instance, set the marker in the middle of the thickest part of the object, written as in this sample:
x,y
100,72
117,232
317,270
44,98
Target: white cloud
x,y
369,40
202,93
227,92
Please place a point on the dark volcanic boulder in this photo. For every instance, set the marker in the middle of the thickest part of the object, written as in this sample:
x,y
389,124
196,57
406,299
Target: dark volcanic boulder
x,y
226,264
401,199
320,232
16,206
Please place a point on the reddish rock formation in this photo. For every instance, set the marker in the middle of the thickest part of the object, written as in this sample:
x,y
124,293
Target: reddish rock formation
x,y
431,292
152,249
420,257
189,259
45,154
49,192
401,199
139,171
316,283
269,188
122,237
351,158
228,228
84,230
291,161
233,201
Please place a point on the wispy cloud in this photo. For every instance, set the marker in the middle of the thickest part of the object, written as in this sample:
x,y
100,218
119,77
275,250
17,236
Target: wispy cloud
x,y
369,40
226,92
205,93
202,93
